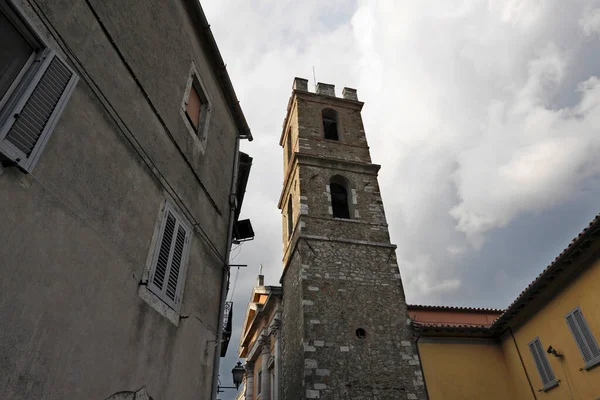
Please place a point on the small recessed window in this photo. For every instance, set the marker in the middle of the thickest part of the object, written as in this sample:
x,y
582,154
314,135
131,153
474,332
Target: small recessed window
x,y
330,124
196,108
361,333
339,189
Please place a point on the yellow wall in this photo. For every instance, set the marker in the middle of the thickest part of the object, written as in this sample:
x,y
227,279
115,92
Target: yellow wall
x,y
464,369
549,324
479,369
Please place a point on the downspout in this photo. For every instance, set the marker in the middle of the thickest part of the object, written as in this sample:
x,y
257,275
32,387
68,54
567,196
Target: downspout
x,y
522,363
421,366
225,277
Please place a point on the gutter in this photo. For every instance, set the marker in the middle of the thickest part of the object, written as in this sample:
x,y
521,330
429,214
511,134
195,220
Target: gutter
x,y
225,277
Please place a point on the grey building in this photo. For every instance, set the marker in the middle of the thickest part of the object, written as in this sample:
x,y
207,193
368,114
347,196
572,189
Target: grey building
x,y
121,183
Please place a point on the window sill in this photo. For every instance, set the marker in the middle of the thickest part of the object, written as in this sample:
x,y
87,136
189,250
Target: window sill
x,y
550,386
591,364
157,304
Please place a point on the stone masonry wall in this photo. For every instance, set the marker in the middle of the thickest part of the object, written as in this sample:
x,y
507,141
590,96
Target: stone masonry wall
x,y
292,352
346,287
343,275
352,145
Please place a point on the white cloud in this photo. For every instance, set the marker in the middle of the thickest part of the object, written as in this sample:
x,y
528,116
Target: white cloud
x,y
478,111
590,21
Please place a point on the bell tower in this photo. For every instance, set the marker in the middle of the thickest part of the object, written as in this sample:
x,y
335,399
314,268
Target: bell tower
x,y
345,333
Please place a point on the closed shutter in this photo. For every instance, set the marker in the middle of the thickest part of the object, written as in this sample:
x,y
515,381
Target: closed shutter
x,y
29,124
583,336
169,260
541,363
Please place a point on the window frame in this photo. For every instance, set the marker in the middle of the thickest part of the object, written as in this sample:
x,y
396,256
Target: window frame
x,y
538,360
25,86
161,294
259,383
593,361
337,124
200,133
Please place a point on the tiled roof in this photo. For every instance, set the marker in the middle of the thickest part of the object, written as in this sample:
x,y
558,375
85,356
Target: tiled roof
x,y
454,308
533,290
557,267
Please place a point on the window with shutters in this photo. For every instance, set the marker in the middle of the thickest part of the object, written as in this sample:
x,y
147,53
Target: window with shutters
x,y
169,261
197,108
583,337
542,364
35,85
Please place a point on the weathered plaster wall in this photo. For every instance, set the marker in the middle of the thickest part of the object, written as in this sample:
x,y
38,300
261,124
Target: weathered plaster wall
x,y
76,233
466,370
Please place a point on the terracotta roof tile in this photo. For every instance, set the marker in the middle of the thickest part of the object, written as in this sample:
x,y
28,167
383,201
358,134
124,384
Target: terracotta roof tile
x,y
454,308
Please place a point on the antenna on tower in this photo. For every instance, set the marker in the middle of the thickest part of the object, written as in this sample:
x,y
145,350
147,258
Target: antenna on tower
x,y
260,270
314,78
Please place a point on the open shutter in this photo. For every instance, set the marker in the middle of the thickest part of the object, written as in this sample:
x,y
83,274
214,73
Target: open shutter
x,y
583,336
541,363
169,260
28,126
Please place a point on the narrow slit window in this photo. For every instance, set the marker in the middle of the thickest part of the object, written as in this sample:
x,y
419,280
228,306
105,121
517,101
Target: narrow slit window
x,y
289,145
290,218
330,124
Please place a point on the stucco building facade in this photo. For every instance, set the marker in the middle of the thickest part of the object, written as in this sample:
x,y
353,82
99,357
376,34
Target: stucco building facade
x,y
121,183
543,346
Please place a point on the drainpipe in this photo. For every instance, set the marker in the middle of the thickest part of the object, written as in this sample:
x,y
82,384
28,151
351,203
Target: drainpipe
x,y
421,366
225,277
522,363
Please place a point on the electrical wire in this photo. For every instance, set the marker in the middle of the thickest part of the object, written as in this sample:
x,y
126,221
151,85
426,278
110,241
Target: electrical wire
x,y
235,279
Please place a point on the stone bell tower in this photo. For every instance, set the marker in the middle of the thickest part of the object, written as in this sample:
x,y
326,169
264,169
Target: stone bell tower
x,y
344,320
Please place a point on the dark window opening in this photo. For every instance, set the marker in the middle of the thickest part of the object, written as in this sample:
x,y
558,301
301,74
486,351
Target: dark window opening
x,y
290,218
330,124
361,333
289,145
339,201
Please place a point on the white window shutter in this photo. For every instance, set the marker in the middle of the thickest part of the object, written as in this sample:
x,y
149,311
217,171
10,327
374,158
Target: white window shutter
x,y
541,362
583,336
29,124
166,280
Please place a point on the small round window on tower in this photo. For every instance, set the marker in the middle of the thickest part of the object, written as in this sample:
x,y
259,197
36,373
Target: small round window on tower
x,y
361,333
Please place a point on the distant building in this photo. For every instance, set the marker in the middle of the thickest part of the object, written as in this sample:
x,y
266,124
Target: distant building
x,y
543,346
344,331
121,183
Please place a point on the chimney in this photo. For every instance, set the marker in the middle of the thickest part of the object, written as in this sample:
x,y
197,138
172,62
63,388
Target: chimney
x,y
300,84
325,89
261,280
349,94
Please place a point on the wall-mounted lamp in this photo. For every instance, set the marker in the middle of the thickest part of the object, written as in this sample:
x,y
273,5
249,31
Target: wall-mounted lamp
x,y
553,351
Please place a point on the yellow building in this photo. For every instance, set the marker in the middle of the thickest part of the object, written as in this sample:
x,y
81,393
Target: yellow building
x,y
543,346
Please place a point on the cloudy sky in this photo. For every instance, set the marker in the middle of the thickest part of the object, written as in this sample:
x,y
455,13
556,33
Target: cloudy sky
x,y
484,115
